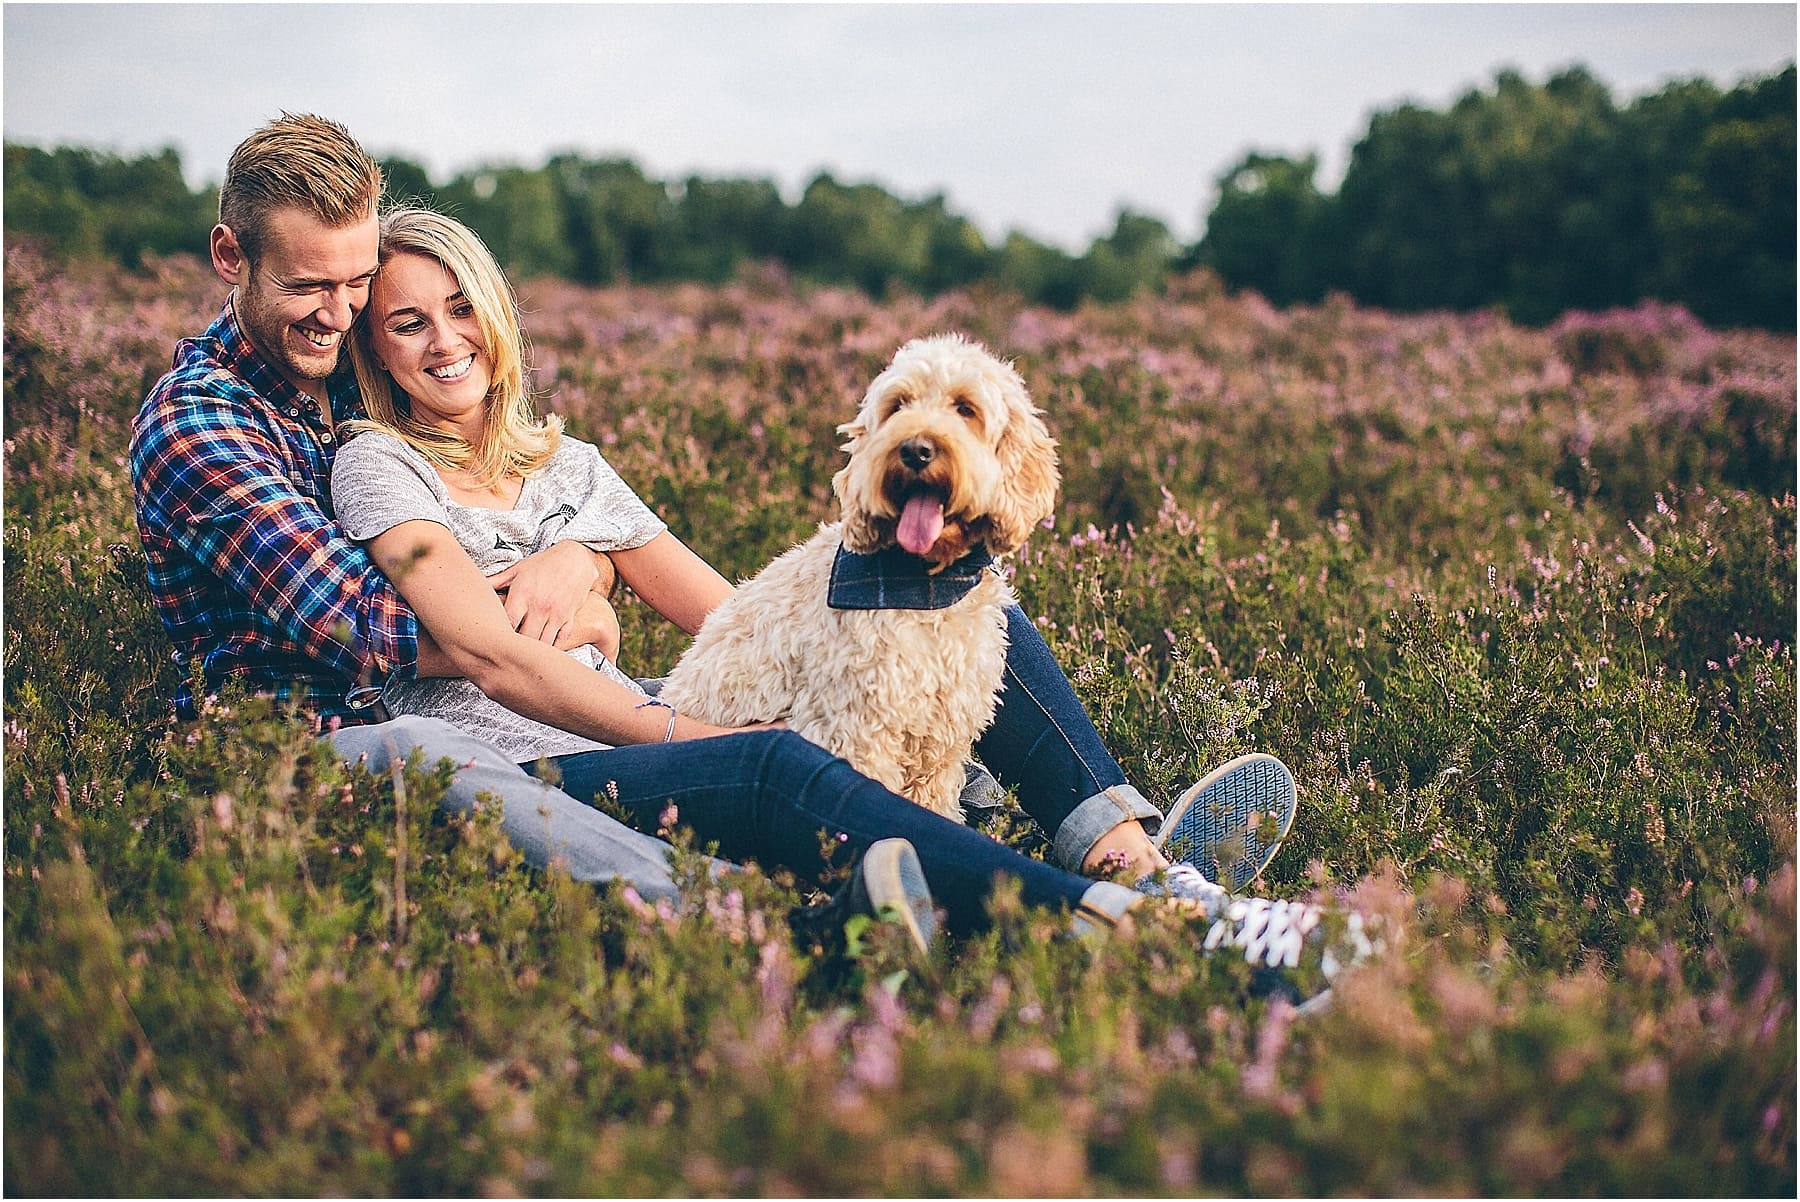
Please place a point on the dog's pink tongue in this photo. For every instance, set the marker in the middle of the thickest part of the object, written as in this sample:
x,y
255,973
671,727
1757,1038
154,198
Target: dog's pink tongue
x,y
920,523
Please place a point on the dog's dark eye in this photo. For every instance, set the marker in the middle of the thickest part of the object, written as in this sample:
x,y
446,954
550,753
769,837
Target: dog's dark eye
x,y
965,408
894,404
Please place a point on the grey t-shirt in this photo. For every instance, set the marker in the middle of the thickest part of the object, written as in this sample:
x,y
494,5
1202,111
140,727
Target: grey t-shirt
x,y
378,481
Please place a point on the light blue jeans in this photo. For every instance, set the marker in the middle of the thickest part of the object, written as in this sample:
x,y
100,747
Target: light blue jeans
x,y
544,823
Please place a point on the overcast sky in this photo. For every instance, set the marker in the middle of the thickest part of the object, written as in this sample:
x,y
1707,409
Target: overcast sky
x,y
1042,118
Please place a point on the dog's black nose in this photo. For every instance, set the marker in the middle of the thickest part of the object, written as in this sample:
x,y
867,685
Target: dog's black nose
x,y
916,453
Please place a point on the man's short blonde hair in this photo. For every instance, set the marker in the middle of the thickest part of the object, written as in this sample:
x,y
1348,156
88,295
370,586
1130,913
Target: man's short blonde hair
x,y
297,161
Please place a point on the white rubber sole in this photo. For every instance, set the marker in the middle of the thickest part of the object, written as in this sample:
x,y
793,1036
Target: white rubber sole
x,y
1220,824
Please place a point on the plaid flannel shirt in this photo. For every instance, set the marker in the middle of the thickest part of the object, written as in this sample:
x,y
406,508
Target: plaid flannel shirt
x,y
249,570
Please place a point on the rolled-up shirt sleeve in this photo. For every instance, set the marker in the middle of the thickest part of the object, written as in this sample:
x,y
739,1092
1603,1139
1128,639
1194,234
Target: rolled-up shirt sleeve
x,y
223,492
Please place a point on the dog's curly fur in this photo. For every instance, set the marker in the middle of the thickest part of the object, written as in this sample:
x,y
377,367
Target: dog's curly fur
x,y
902,694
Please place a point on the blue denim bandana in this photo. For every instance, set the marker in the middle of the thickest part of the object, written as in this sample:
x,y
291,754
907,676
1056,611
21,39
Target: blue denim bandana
x,y
893,578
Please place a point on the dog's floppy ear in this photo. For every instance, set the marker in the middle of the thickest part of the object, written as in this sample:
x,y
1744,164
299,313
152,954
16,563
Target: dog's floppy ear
x,y
859,532
1027,456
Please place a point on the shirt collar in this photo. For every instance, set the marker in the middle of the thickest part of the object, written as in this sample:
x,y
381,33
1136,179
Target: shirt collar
x,y
891,578
238,354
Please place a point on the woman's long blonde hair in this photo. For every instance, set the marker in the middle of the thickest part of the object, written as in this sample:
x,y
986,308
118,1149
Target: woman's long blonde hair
x,y
515,441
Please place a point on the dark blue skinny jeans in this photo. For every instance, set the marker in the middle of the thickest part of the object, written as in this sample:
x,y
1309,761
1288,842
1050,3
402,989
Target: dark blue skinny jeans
x,y
769,796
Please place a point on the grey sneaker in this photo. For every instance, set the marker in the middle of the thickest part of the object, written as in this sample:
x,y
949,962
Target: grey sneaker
x,y
887,884
1230,825
890,885
982,795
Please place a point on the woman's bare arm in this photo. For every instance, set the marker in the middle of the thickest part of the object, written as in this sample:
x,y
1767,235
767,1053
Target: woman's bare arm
x,y
473,638
673,580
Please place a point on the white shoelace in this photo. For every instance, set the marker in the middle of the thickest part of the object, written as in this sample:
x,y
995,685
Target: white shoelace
x,y
1187,883
1360,945
1270,931
1275,931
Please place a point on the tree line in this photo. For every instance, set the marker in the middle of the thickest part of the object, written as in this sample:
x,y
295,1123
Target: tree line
x,y
602,221
1529,198
1535,199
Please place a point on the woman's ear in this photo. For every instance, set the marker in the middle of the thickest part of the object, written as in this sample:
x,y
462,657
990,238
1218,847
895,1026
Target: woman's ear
x,y
228,258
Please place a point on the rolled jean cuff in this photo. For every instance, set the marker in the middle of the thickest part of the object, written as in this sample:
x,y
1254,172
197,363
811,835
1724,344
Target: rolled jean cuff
x,y
1094,817
1101,907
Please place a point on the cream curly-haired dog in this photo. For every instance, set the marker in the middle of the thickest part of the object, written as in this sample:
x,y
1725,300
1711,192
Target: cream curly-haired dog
x,y
950,464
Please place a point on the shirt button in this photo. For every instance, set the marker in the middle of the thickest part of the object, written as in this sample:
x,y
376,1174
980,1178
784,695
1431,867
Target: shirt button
x,y
292,412
325,437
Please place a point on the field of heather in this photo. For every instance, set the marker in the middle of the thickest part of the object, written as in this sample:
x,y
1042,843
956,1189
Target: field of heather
x,y
1517,605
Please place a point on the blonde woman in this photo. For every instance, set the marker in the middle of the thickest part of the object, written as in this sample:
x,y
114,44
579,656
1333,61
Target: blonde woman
x,y
454,476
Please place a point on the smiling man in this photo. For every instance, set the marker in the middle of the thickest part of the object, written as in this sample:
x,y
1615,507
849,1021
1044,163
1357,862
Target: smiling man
x,y
298,296
231,452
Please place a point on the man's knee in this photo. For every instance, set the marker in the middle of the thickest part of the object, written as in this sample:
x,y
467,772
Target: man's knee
x,y
378,743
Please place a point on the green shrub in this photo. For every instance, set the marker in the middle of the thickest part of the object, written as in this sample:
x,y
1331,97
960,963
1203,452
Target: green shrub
x,y
1518,608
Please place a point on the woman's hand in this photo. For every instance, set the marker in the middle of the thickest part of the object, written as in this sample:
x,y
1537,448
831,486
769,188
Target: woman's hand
x,y
543,593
